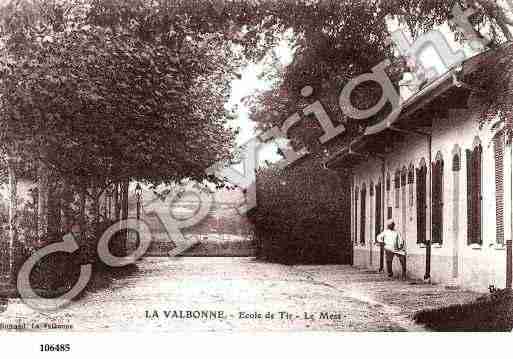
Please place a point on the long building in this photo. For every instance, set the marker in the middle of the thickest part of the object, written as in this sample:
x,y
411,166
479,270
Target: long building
x,y
443,172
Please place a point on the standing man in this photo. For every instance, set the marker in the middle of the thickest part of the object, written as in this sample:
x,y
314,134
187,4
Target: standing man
x,y
394,246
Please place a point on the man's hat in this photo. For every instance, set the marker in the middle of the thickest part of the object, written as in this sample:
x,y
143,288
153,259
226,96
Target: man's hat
x,y
390,224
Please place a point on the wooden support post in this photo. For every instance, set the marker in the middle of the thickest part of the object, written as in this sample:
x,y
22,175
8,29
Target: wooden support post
x,y
509,264
13,218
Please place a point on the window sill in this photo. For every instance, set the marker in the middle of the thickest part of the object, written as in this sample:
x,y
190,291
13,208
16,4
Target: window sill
x,y
476,246
499,247
434,245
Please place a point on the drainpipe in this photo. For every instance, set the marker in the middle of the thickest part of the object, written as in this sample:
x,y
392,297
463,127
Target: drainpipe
x,y
382,193
509,254
353,225
382,219
427,275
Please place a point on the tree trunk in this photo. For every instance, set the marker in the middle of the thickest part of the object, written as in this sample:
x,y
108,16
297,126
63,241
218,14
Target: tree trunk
x,y
54,213
109,205
105,207
96,210
67,199
83,194
13,217
117,205
124,215
42,202
124,199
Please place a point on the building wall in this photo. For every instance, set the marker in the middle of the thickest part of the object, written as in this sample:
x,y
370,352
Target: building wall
x,y
454,261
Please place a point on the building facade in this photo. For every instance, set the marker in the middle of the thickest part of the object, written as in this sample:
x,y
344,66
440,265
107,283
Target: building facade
x,y
443,177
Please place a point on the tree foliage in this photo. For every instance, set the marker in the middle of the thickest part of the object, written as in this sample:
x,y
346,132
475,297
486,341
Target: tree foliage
x,y
336,41
92,99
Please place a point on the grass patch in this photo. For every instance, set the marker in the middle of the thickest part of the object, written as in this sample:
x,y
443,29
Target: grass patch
x,y
492,312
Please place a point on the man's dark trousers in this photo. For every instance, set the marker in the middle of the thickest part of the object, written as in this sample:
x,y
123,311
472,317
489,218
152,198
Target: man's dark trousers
x,y
381,256
390,257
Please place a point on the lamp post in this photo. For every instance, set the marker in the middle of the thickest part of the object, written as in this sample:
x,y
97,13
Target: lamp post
x,y
138,195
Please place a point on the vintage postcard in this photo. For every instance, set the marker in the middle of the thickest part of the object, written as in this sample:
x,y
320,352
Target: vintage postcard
x,y
244,166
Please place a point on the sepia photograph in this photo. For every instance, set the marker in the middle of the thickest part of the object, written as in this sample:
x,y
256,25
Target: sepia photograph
x,y
255,166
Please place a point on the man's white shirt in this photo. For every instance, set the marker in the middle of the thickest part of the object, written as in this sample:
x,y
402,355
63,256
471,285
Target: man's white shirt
x,y
392,240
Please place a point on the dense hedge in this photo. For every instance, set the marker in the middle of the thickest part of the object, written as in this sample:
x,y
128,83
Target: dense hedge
x,y
302,214
56,273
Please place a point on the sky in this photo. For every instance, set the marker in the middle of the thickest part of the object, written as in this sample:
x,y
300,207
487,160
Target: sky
x,y
247,85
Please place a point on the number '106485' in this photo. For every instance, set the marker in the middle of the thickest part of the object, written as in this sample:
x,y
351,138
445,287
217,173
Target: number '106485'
x,y
55,347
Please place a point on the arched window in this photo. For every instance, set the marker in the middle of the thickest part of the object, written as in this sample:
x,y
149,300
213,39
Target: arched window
x,y
378,209
363,213
474,193
397,186
356,194
456,162
437,203
411,180
404,175
498,143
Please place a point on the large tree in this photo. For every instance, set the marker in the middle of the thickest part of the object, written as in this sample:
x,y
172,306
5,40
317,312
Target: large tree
x,y
92,102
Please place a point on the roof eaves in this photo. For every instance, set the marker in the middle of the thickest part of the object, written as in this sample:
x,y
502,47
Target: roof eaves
x,y
408,107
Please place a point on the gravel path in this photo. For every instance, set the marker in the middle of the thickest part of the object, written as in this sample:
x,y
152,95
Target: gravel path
x,y
333,298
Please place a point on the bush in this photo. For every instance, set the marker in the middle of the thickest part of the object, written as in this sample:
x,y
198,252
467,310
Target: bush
x,y
492,312
302,214
56,273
